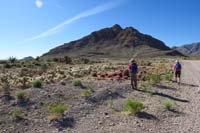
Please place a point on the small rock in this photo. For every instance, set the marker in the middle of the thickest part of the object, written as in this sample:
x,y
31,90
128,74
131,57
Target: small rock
x,y
105,113
112,124
100,122
107,116
96,127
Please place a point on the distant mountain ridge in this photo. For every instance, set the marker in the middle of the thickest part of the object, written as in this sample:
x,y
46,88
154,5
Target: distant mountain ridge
x,y
113,42
189,49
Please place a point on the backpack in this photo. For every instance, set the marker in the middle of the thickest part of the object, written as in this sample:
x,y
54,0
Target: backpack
x,y
178,67
134,68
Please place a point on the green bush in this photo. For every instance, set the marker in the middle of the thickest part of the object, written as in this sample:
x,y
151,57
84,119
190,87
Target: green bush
x,y
154,78
20,94
169,104
68,60
133,106
87,93
77,83
7,65
17,113
168,76
37,83
56,111
5,85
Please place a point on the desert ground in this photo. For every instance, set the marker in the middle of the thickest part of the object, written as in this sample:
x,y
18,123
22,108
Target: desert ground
x,y
93,98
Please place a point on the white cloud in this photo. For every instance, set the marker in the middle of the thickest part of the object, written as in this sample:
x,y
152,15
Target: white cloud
x,y
38,3
90,12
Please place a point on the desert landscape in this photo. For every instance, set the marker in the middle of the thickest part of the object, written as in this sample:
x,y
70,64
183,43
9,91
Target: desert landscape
x,y
80,96
67,66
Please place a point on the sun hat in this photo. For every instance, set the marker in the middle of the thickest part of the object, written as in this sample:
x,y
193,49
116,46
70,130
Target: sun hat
x,y
177,61
131,60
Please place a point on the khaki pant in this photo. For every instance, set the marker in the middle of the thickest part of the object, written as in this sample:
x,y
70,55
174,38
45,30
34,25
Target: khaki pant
x,y
134,80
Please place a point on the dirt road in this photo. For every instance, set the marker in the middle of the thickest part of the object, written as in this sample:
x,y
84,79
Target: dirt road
x,y
189,122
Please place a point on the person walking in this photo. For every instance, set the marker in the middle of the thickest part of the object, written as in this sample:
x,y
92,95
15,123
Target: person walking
x,y
133,68
177,71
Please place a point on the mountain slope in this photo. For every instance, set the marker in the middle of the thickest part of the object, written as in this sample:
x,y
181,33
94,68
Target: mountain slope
x,y
112,42
189,49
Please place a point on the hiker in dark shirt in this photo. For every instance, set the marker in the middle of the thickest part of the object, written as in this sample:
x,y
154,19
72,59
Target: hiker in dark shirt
x,y
177,71
133,68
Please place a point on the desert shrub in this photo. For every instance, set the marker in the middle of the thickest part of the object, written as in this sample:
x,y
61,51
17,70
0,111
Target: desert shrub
x,y
110,103
20,94
169,104
12,59
37,83
142,86
55,59
37,58
7,65
85,60
25,83
87,93
5,85
168,76
18,65
3,61
68,60
133,106
17,113
81,61
56,111
24,72
155,78
77,83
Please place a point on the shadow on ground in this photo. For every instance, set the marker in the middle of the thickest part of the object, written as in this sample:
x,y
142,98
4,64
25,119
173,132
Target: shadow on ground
x,y
165,87
166,96
186,84
105,95
145,115
170,97
67,122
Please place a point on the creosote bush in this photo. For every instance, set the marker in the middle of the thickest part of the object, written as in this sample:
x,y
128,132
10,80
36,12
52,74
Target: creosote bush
x,y
37,83
77,83
133,107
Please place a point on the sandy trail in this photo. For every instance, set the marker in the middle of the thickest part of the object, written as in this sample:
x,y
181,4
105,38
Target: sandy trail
x,y
189,122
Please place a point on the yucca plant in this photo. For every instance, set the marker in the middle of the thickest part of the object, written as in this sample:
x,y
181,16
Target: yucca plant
x,y
12,59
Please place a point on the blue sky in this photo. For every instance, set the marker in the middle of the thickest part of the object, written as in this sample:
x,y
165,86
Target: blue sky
x,y
33,27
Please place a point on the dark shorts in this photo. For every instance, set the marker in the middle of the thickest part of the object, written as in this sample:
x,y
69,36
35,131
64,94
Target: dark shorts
x,y
178,74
